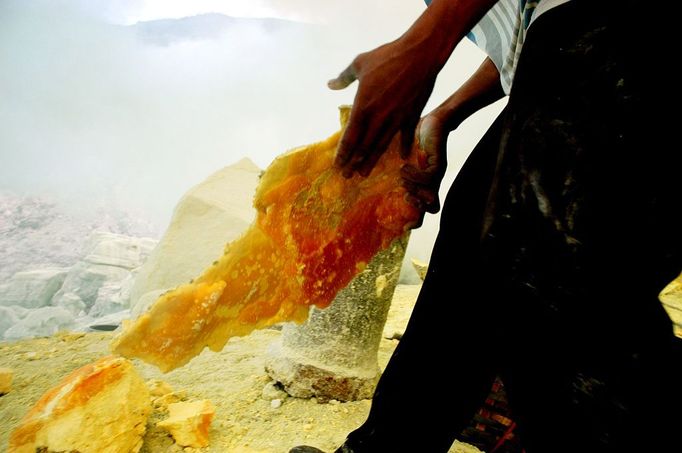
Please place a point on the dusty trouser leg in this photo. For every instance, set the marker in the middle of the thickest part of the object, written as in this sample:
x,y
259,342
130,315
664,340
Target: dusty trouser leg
x,y
587,231
420,403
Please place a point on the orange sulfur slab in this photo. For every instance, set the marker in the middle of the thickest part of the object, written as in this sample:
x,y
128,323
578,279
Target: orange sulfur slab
x,y
315,231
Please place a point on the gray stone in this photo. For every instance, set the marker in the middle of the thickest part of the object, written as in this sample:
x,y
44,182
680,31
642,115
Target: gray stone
x,y
118,250
41,322
112,297
21,312
84,281
7,319
112,319
32,289
333,355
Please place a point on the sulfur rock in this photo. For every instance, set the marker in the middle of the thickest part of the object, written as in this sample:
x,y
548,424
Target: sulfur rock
x,y
315,230
101,407
189,422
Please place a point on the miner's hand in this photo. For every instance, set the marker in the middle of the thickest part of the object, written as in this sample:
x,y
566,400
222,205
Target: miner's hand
x,y
395,82
422,181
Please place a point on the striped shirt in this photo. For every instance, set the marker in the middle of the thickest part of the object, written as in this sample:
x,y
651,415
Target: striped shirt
x,y
502,32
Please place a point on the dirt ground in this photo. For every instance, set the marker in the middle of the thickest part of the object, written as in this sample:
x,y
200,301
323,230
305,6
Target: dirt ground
x,y
232,379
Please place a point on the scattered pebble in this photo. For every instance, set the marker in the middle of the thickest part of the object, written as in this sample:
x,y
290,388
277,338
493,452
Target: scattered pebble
x,y
276,403
273,391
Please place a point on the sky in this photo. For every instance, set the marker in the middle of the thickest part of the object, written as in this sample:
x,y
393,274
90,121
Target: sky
x,y
90,111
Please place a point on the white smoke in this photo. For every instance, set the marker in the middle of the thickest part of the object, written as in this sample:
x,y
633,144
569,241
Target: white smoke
x,y
93,111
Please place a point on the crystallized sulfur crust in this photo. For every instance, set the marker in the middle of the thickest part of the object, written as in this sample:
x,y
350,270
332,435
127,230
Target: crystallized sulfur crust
x,y
315,231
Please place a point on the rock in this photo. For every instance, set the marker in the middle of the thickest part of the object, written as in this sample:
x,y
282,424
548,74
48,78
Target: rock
x,y
671,298
71,302
113,297
420,267
7,319
334,354
103,324
21,312
101,407
276,403
41,322
162,402
6,376
399,314
144,302
158,388
272,391
189,422
32,289
79,291
100,284
118,250
208,216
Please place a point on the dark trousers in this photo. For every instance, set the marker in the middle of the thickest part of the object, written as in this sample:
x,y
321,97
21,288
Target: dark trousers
x,y
555,239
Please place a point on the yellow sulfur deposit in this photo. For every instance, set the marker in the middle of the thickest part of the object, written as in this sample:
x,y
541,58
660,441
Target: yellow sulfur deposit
x,y
188,423
99,408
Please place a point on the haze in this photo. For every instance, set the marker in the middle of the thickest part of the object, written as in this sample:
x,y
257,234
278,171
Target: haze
x,y
97,107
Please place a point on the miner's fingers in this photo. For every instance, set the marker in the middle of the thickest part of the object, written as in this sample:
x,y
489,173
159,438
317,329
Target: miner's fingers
x,y
347,76
349,145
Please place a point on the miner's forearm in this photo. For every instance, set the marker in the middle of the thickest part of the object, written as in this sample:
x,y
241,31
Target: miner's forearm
x,y
482,89
443,25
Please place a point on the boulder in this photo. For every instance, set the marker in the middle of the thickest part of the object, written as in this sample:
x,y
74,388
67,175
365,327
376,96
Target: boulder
x,y
41,322
208,216
32,289
100,284
83,282
101,407
189,422
112,297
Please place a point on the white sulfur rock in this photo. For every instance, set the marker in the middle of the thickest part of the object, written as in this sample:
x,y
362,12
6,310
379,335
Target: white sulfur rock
x,y
41,322
118,250
32,289
208,216
113,297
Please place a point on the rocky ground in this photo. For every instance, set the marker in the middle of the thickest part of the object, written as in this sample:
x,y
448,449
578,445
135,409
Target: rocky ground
x,y
246,420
